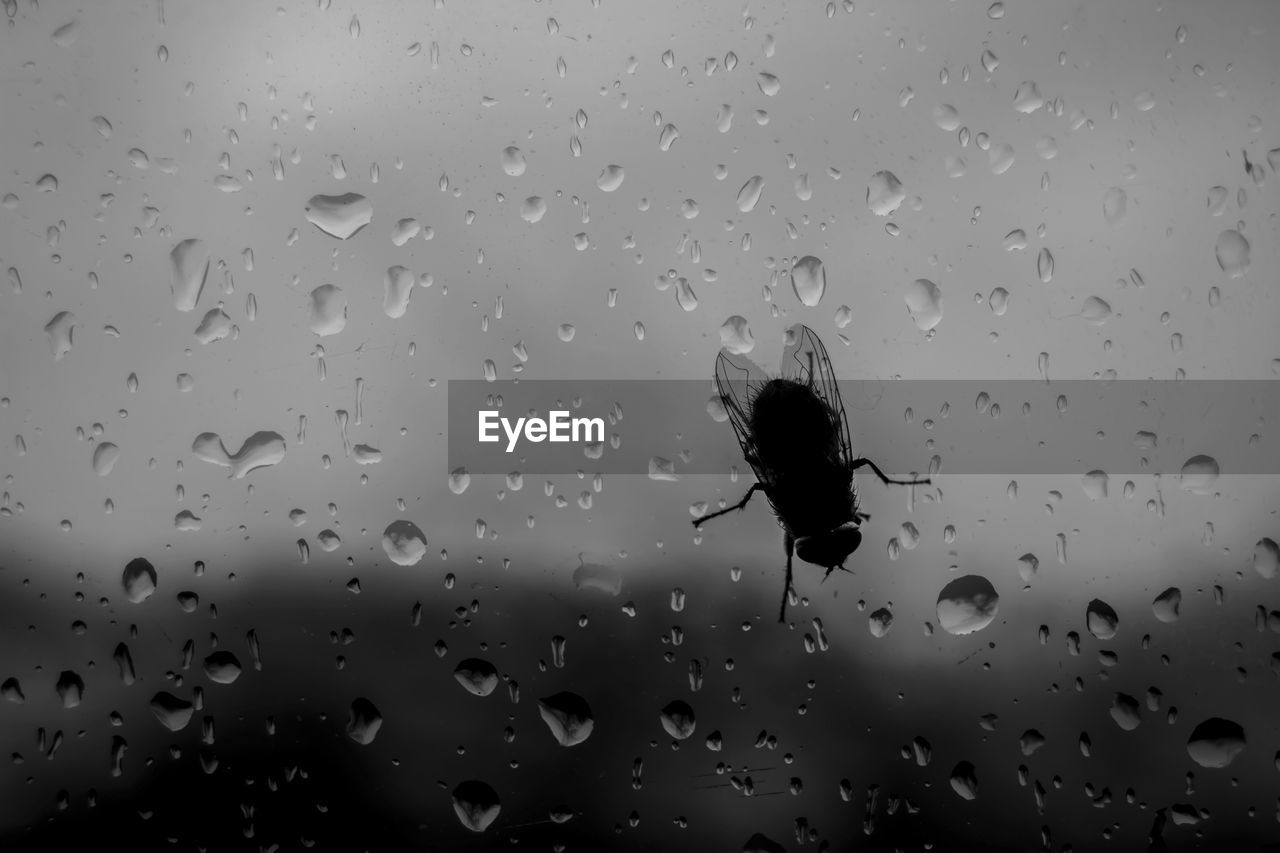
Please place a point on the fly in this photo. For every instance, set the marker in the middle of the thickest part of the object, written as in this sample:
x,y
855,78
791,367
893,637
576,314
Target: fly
x,y
794,434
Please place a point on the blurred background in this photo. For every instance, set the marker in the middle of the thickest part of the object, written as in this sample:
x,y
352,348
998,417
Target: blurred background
x,y
246,245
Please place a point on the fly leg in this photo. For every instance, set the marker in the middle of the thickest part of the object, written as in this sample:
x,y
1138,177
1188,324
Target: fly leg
x,y
739,505
789,545
863,462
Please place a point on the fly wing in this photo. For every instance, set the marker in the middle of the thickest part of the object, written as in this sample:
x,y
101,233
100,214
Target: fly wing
x,y
805,360
737,380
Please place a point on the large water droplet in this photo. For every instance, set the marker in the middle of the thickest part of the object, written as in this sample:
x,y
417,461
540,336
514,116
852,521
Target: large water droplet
x,y
736,337
105,456
513,162
1027,98
363,721
1232,252
339,216
476,804
263,449
172,712
809,280
1166,606
568,716
884,193
967,604
139,580
611,178
477,676
533,208
60,331
404,542
328,310
1114,205
1126,711
1101,619
1216,742
397,287
222,667
1199,474
678,719
924,303
1095,310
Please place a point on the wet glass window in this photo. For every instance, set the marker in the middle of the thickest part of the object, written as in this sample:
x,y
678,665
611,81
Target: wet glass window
x,y
610,425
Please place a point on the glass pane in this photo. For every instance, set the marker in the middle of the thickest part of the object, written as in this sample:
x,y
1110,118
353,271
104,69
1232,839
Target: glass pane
x,y
253,600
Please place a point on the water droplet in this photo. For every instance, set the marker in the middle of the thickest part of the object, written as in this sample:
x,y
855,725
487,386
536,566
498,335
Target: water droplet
x,y
1217,200
884,193
1000,158
809,280
1114,206
339,216
139,580
880,621
328,310
924,303
404,231
477,676
1027,98
749,195
533,209
678,719
1199,474
513,162
476,804
172,712
964,777
263,449
736,337
397,287
1095,310
364,720
667,137
998,301
1216,742
1044,265
1126,711
66,35
60,331
404,543
1167,604
188,268
1266,557
1101,619
967,604
1232,251
222,667
611,178
568,716
1095,485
